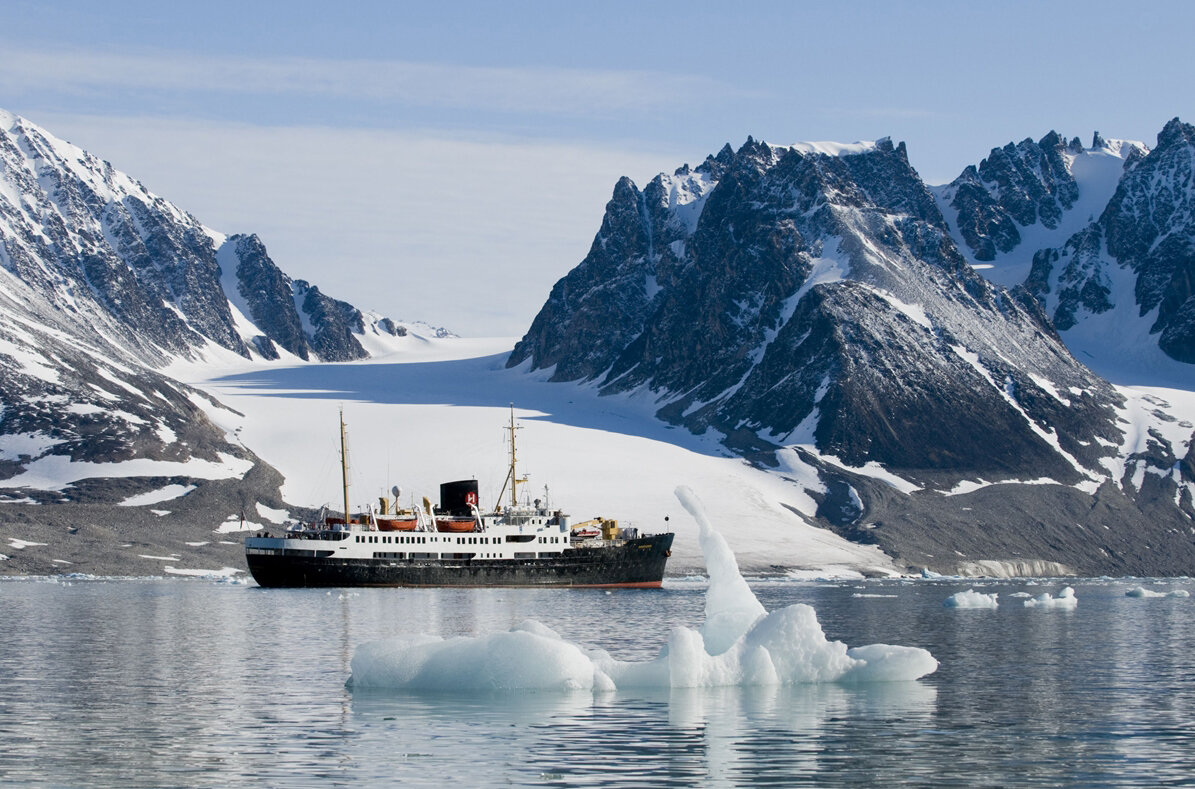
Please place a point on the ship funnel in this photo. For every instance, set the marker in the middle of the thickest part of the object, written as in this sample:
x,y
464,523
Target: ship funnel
x,y
458,498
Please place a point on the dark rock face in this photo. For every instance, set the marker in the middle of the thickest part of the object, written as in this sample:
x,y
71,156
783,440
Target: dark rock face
x,y
786,296
1081,283
266,292
278,305
335,322
1150,227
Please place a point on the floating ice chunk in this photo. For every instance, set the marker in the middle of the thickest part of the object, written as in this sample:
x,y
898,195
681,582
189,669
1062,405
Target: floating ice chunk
x,y
1065,599
739,644
888,663
972,599
527,657
1141,591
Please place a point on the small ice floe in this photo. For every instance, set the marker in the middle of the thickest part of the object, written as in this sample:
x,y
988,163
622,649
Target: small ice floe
x,y
739,644
223,572
972,599
1141,591
1065,599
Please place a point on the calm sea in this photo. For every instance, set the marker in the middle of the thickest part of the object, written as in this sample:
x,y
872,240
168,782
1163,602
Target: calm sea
x,y
193,683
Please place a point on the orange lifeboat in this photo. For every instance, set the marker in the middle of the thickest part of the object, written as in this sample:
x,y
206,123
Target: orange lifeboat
x,y
455,524
395,524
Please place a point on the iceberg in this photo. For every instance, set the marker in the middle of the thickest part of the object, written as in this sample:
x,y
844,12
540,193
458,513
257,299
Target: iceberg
x,y
1065,599
971,599
740,643
1141,591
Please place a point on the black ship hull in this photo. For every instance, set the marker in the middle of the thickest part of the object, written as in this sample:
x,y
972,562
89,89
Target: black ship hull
x,y
636,563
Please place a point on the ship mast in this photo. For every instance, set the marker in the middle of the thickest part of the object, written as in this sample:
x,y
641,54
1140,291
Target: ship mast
x,y
512,478
344,467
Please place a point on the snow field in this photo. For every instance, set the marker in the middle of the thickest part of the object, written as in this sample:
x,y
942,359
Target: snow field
x,y
436,411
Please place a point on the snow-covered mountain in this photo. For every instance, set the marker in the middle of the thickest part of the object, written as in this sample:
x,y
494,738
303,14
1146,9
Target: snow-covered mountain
x,y
1102,236
810,304
106,253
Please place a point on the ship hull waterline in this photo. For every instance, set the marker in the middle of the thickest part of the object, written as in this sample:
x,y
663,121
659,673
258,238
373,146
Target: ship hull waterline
x,y
639,563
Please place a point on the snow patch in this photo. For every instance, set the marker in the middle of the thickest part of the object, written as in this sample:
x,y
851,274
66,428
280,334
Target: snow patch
x,y
157,496
271,514
57,472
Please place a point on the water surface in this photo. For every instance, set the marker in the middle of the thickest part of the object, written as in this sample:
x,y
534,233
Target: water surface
x,y
193,683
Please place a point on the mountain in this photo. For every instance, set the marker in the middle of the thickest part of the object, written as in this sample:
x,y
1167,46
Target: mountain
x,y
104,285
810,304
1101,236
107,253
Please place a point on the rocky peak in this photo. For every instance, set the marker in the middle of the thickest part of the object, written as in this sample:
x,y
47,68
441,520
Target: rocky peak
x,y
1016,186
1176,133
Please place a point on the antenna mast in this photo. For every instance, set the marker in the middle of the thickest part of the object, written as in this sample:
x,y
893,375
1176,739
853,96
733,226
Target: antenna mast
x,y
344,466
512,477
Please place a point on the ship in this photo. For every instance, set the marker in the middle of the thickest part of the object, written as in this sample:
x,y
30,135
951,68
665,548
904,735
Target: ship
x,y
512,544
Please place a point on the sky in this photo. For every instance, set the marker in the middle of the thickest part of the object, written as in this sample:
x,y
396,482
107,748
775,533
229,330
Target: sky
x,y
449,161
